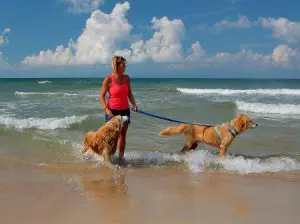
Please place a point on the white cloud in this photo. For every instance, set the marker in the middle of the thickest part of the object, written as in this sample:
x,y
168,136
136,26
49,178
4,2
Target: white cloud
x,y
61,56
82,6
3,37
99,39
103,35
4,40
241,23
282,28
163,46
283,55
196,52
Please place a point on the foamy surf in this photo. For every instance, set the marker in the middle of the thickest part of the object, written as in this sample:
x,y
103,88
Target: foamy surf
x,y
44,93
41,123
239,91
282,109
44,82
200,161
18,93
203,160
142,159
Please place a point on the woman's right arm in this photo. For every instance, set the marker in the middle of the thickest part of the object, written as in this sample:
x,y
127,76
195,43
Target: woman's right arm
x,y
103,92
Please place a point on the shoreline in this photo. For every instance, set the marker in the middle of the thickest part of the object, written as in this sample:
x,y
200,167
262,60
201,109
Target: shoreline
x,y
71,193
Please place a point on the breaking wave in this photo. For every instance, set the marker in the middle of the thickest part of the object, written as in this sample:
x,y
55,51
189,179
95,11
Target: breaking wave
x,y
44,82
283,109
41,123
239,91
18,93
203,160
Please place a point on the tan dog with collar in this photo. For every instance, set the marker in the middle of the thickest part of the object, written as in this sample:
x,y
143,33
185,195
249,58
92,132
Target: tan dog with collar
x,y
220,136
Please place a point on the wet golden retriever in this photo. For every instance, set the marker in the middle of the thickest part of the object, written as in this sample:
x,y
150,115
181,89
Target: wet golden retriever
x,y
104,140
220,136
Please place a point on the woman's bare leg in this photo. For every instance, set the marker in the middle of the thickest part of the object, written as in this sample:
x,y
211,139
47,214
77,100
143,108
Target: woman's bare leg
x,y
122,142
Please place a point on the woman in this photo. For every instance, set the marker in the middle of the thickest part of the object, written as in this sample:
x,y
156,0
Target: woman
x,y
117,84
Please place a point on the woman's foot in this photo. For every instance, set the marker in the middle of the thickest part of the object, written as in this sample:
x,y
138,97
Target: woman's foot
x,y
121,161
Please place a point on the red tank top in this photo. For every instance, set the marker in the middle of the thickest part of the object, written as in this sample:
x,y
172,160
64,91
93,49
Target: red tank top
x,y
118,95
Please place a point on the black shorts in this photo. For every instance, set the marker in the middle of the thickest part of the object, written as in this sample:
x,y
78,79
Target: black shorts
x,y
118,112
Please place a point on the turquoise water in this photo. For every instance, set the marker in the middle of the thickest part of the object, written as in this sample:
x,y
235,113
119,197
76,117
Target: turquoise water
x,y
45,119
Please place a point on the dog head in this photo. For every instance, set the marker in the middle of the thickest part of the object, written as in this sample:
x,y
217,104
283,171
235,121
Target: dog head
x,y
118,122
244,122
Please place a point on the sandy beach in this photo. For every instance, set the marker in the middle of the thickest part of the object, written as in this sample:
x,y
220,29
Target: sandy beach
x,y
63,193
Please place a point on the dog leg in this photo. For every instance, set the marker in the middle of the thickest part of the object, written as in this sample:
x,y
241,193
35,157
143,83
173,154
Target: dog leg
x,y
107,158
194,146
223,149
188,147
185,149
107,161
85,148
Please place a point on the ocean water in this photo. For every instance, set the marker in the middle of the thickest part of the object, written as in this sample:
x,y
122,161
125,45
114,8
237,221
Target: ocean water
x,y
45,119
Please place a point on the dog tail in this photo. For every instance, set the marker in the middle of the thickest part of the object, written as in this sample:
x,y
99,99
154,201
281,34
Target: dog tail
x,y
175,130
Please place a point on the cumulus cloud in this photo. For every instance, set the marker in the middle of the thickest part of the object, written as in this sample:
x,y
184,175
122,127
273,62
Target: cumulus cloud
x,y
282,28
3,36
163,46
4,40
196,52
82,6
283,55
103,35
96,44
241,23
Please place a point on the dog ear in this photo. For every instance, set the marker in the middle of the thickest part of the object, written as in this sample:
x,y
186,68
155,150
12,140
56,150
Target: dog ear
x,y
244,124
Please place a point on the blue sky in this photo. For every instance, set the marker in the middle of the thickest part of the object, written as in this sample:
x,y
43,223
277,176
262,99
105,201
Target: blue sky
x,y
216,38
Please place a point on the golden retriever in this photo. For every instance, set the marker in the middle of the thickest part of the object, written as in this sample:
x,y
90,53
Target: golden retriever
x,y
220,136
104,140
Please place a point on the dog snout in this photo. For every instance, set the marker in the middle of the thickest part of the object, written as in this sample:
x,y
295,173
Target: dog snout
x,y
254,125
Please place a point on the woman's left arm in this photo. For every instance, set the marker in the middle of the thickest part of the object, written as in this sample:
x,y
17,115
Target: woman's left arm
x,y
130,95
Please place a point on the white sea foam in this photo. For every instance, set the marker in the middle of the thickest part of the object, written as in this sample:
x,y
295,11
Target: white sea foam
x,y
239,91
199,161
41,123
282,109
44,82
18,93
203,160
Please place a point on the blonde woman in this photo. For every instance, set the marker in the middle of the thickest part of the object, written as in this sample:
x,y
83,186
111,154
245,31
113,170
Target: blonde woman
x,y
117,85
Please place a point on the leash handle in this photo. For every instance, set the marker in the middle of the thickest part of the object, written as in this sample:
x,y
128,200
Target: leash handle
x,y
168,119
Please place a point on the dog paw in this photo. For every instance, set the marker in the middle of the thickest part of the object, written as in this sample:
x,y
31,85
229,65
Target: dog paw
x,y
112,166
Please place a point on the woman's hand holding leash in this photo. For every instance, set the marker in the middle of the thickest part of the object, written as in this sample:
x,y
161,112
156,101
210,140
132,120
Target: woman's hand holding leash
x,y
135,108
108,112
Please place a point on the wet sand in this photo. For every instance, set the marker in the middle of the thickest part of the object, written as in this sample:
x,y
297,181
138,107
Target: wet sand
x,y
80,193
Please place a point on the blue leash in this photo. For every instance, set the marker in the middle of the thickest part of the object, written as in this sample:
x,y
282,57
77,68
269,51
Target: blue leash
x,y
168,119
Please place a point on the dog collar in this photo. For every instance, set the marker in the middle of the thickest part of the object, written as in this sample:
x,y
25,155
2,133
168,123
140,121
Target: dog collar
x,y
233,131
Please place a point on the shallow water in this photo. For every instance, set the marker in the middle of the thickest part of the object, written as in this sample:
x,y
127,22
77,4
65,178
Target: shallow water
x,y
43,177
54,114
